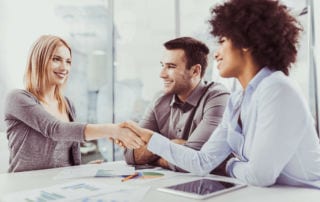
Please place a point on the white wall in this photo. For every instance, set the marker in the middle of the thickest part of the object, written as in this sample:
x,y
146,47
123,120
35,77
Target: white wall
x,y
22,22
4,153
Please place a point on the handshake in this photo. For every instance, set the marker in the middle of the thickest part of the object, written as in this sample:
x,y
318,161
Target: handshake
x,y
130,135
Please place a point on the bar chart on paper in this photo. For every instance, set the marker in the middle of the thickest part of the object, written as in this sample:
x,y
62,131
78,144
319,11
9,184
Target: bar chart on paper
x,y
80,191
45,196
81,187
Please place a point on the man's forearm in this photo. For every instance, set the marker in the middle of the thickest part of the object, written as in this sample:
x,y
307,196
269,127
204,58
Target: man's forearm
x,y
143,156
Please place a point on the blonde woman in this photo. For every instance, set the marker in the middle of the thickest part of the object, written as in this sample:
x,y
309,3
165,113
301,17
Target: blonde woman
x,y
40,120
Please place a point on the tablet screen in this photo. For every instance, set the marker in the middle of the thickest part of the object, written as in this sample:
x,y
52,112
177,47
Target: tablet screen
x,y
202,188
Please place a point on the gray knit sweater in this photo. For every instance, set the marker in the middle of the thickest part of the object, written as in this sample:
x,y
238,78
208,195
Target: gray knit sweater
x,y
37,140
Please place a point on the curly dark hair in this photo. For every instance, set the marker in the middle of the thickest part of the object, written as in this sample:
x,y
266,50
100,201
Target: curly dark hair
x,y
195,51
265,27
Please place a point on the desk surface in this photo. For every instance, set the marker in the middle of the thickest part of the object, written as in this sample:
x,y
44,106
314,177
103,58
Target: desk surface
x,y
13,182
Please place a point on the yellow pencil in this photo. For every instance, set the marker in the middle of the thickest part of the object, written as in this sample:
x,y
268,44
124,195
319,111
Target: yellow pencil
x,y
130,177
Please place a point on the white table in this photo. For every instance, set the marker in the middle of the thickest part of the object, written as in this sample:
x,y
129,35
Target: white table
x,y
12,182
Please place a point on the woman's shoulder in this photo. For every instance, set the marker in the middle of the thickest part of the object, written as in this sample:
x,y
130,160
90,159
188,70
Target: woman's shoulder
x,y
278,80
18,95
279,84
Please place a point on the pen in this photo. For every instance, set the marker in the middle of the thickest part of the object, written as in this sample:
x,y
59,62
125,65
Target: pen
x,y
130,177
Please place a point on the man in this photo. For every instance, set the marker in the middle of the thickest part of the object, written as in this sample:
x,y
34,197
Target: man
x,y
189,110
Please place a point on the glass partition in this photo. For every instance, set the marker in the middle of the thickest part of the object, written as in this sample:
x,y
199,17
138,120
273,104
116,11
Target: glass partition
x,y
140,29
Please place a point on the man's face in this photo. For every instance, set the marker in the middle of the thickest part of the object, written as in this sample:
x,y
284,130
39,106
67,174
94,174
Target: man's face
x,y
176,78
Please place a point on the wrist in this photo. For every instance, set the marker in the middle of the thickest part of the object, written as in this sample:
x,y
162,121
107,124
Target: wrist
x,y
146,135
229,166
114,130
149,135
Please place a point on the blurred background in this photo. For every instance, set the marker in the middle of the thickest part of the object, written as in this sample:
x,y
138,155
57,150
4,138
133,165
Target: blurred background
x,y
117,48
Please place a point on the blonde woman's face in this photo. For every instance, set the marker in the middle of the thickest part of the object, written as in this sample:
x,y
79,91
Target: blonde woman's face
x,y
59,66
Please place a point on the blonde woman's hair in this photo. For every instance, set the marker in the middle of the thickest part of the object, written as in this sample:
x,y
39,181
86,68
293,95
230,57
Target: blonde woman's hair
x,y
37,76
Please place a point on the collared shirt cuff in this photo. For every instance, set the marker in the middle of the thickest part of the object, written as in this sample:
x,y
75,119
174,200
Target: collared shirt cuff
x,y
156,142
230,165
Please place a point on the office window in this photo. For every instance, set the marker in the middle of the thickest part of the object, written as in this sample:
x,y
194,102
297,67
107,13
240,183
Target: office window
x,y
140,29
91,33
315,53
300,70
3,87
194,17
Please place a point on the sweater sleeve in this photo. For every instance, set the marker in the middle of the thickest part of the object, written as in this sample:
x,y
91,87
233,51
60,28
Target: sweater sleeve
x,y
22,106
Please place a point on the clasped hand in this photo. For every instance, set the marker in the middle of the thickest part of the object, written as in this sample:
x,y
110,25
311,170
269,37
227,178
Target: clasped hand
x,y
131,135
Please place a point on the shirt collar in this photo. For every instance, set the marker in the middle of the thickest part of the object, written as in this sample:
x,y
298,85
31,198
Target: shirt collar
x,y
237,96
263,73
193,98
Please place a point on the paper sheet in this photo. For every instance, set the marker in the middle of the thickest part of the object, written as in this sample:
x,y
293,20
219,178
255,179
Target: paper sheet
x,y
81,191
110,169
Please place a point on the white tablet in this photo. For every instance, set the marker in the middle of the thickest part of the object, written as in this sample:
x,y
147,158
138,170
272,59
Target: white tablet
x,y
202,188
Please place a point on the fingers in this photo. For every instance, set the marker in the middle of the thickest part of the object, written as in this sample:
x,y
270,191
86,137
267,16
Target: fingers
x,y
128,139
116,141
144,134
119,143
131,141
137,139
134,136
132,126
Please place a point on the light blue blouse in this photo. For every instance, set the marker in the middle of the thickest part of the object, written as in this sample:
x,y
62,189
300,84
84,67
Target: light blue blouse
x,y
278,142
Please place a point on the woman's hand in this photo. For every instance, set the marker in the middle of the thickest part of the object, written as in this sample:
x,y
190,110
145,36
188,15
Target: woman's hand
x,y
144,134
127,138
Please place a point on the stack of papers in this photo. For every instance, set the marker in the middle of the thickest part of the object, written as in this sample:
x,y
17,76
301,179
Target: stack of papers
x,y
110,169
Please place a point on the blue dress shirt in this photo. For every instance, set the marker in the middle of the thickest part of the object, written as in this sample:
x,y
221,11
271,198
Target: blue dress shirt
x,y
277,142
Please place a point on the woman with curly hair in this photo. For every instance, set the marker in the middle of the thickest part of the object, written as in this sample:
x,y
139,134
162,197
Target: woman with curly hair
x,y
267,125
